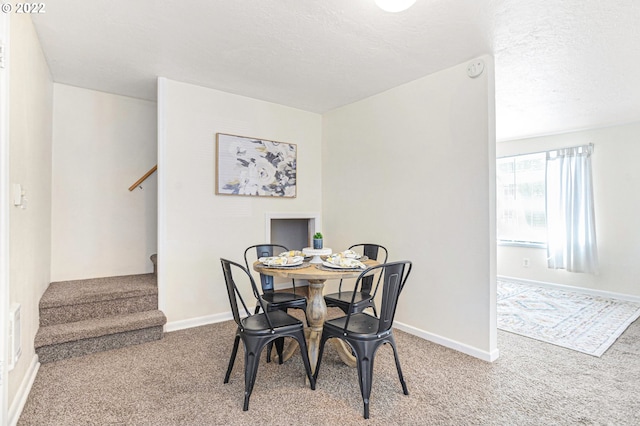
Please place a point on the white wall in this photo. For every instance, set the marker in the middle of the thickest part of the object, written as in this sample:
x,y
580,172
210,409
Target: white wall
x,y
616,179
4,221
413,169
102,144
197,227
31,98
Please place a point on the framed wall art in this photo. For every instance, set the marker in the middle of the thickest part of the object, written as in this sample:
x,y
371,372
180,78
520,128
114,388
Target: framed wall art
x,y
255,167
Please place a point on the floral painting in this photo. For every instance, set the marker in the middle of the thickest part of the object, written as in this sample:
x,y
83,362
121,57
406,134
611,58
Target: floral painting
x,y
251,166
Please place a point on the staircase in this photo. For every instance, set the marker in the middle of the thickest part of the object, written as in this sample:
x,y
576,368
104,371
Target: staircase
x,y
86,316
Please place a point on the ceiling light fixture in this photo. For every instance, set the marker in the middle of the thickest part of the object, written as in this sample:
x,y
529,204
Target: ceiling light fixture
x,y
394,5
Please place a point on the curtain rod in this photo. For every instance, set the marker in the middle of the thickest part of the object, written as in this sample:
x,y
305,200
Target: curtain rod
x,y
547,150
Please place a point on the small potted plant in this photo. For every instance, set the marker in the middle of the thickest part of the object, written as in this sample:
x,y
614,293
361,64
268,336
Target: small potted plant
x,y
317,240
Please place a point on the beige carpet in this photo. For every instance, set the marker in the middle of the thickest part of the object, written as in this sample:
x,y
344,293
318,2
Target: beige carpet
x,y
178,381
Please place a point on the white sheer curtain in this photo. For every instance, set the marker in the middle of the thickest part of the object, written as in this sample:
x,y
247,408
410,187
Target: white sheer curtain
x,y
571,240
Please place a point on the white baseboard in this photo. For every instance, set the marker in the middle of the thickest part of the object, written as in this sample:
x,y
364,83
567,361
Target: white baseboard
x,y
584,290
25,387
23,391
451,344
197,322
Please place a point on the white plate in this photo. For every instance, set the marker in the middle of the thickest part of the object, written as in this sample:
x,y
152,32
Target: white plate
x,y
281,260
334,266
283,266
265,261
342,255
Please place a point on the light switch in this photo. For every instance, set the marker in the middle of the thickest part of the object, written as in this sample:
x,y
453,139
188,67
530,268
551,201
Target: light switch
x,y
17,194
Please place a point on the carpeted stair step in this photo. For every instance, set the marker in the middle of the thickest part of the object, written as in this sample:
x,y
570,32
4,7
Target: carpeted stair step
x,y
61,341
85,316
154,260
78,300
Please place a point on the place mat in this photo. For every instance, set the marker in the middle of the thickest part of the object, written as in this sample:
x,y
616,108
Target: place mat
x,y
301,266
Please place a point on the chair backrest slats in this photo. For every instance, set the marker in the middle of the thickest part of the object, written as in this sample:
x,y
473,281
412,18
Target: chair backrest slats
x,y
393,284
395,277
234,292
371,251
264,250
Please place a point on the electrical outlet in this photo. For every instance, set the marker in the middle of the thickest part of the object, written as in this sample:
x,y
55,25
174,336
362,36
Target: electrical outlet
x,y
525,262
14,335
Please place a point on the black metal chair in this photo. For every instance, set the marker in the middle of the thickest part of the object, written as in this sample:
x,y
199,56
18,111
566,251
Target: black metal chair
x,y
272,299
258,330
364,298
365,333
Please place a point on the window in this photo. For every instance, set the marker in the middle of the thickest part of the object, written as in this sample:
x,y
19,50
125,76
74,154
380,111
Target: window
x,y
521,199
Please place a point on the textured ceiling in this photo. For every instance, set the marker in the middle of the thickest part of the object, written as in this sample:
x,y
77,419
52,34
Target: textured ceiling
x,y
560,66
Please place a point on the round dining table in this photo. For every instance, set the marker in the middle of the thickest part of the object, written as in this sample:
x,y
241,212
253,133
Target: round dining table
x,y
316,275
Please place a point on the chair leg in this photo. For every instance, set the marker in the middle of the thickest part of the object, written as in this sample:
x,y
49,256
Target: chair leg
x,y
279,348
304,352
323,340
269,350
395,355
304,312
251,362
270,346
364,361
232,360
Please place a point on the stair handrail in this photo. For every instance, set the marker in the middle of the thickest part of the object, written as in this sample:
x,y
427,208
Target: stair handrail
x,y
143,178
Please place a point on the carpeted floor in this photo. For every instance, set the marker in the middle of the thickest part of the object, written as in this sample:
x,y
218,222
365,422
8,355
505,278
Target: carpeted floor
x,y
178,381
571,319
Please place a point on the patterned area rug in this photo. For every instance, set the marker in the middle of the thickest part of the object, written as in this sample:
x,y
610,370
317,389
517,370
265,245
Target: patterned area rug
x,y
573,320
